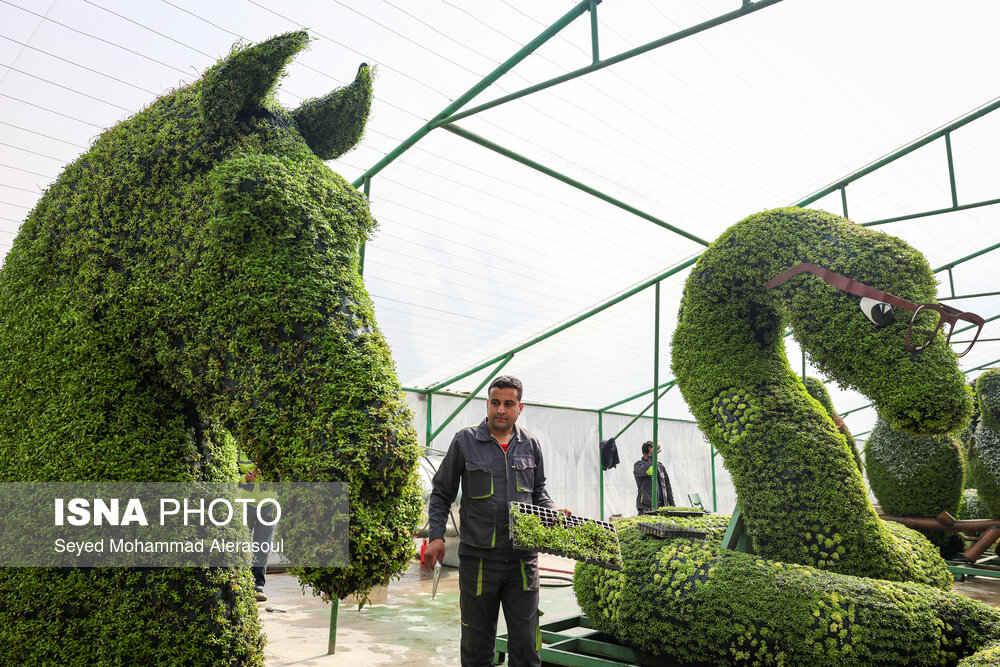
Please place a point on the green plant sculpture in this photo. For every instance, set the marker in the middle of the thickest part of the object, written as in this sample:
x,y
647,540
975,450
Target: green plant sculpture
x,y
914,475
818,391
830,583
984,447
196,271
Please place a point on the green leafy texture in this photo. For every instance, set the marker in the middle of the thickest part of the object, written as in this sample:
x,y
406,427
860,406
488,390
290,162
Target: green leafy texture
x,y
972,507
693,602
582,541
984,448
795,475
334,124
818,391
914,475
195,273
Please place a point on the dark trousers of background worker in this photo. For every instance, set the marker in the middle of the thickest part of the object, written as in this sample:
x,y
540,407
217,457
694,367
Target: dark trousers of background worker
x,y
484,586
261,532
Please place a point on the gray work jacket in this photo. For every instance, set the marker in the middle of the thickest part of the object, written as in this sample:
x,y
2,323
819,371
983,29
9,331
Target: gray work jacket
x,y
490,479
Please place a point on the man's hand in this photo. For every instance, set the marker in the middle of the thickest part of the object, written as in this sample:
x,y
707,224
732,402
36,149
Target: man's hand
x,y
566,512
434,552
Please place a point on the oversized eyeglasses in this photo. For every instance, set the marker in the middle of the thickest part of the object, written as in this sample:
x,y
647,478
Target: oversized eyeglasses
x,y
878,307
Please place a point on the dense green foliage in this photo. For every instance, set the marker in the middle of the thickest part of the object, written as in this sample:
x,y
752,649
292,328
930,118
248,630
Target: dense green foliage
x,y
914,475
695,602
984,447
791,466
830,583
972,507
574,538
196,272
818,391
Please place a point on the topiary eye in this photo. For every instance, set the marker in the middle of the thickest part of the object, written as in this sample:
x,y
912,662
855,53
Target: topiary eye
x,y
881,314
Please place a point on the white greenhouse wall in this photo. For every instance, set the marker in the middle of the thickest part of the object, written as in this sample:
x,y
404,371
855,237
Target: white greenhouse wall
x,y
570,441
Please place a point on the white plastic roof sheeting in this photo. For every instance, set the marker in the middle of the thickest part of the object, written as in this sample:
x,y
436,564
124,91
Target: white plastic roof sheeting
x,y
477,254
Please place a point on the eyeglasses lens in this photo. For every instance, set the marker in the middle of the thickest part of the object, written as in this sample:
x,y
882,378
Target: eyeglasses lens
x,y
923,328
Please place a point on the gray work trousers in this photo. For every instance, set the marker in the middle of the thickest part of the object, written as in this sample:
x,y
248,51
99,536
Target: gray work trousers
x,y
483,586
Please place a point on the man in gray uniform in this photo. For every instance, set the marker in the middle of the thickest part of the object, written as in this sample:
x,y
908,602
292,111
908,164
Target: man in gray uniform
x,y
496,463
643,473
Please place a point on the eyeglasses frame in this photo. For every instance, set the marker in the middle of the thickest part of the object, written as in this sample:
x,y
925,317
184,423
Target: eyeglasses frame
x,y
946,314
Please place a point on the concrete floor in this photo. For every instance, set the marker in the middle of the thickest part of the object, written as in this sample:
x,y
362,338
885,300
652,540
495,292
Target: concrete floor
x,y
403,626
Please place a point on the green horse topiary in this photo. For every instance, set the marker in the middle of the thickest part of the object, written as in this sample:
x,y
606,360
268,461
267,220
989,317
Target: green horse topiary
x,y
831,583
984,446
196,273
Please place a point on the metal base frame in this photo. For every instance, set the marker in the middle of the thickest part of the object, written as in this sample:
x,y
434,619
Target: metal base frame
x,y
590,649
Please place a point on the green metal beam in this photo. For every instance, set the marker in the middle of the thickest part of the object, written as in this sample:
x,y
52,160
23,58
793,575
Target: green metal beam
x,y
937,211
486,143
469,398
576,320
748,8
486,82
665,385
656,415
906,150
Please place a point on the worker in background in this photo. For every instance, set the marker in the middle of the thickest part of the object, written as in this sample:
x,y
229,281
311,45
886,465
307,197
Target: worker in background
x,y
260,531
643,472
495,462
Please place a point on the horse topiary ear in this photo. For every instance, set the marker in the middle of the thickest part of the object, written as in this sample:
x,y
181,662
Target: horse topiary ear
x,y
240,84
334,124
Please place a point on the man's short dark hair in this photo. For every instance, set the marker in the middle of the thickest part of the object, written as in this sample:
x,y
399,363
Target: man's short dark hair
x,y
507,382
647,447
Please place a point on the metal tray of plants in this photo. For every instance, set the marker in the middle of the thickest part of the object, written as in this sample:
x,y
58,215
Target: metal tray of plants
x,y
550,531
681,513
664,530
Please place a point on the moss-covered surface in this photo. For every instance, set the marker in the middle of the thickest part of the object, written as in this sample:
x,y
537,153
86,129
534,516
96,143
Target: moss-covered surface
x,y
984,447
914,475
694,602
818,391
971,507
197,271
790,465
831,583
585,540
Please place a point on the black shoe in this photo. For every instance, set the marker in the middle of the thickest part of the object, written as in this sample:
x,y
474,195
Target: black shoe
x,y
260,594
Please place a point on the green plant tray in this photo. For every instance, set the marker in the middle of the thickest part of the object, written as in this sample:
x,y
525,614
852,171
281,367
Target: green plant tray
x,y
556,524
665,530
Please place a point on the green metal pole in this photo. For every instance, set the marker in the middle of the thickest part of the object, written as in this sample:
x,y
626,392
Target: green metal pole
x,y
715,492
593,31
952,265
331,645
430,423
472,395
486,143
490,78
843,201
951,169
600,468
656,401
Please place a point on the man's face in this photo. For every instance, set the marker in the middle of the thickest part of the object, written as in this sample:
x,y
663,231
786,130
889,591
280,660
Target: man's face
x,y
503,408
